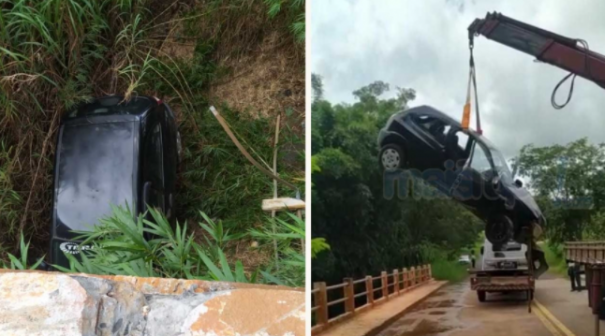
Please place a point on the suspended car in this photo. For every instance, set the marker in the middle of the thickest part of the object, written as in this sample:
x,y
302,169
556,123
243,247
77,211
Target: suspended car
x,y
111,152
462,164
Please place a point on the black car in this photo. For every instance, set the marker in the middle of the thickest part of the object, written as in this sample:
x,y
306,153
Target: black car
x,y
463,165
111,152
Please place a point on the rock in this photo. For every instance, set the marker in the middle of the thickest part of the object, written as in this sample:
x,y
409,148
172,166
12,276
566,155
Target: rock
x,y
44,304
50,303
258,312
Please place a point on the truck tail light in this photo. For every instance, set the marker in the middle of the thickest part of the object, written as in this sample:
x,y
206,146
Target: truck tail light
x,y
157,100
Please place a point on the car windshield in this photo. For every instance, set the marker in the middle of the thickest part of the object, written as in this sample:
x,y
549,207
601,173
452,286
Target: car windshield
x,y
95,170
480,161
501,165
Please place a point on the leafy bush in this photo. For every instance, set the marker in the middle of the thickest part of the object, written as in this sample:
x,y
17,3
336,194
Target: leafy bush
x,y
120,247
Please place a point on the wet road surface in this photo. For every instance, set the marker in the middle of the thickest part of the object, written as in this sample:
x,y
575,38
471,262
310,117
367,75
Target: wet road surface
x,y
455,311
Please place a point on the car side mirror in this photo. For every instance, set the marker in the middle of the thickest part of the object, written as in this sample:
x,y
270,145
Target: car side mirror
x,y
519,184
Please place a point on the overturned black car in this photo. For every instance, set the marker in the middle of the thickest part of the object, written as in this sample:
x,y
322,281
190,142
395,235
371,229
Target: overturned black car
x,y
425,143
111,152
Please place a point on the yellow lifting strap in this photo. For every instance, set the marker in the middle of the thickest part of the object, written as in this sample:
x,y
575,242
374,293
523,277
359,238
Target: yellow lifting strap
x,y
466,112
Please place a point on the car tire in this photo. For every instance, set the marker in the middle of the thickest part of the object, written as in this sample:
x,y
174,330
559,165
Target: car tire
x,y
481,295
499,229
392,157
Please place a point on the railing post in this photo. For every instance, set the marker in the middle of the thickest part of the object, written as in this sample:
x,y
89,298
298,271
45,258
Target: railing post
x,y
349,292
423,273
396,281
413,276
385,285
370,290
405,279
321,300
430,272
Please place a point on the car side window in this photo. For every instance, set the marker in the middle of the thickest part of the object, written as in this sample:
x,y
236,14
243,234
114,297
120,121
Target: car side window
x,y
434,126
155,157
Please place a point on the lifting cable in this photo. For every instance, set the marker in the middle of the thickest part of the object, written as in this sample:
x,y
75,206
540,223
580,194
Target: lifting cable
x,y
573,79
472,79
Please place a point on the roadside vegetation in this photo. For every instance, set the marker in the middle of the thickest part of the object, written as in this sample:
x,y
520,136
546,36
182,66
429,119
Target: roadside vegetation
x,y
57,53
555,258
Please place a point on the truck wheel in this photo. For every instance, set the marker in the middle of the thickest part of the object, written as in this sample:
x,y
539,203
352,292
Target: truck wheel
x,y
499,229
481,296
392,157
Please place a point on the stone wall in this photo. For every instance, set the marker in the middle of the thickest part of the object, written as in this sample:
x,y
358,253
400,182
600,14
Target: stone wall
x,y
51,303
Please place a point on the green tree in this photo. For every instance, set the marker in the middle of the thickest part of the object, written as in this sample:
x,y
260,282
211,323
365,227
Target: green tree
x,y
569,182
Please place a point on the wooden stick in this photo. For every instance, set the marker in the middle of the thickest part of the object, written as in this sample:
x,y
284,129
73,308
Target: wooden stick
x,y
275,187
245,152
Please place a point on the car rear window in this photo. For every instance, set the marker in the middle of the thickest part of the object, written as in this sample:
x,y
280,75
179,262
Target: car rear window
x,y
112,105
95,169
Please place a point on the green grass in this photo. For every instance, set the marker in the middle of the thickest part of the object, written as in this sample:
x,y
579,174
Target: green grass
x,y
449,270
77,49
554,258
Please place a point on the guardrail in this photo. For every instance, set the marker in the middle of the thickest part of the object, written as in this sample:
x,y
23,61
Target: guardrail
x,y
391,285
586,252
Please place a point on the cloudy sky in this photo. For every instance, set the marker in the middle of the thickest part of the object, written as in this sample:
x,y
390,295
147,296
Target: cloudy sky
x,y
423,44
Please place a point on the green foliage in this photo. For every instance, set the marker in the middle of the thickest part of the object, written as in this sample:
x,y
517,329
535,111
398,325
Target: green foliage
x,y
554,255
296,14
318,245
367,233
289,270
449,270
569,182
120,247
22,262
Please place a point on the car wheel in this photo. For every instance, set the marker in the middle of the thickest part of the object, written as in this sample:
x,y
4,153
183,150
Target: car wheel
x,y
179,146
499,229
392,157
481,296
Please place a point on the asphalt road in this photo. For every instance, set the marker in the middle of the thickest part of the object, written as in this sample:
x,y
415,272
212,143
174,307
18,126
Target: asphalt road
x,y
455,311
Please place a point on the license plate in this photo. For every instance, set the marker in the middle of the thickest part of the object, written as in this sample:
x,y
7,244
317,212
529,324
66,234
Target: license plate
x,y
508,265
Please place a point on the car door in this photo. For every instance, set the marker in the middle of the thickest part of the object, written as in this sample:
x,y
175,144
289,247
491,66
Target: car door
x,y
170,158
153,185
473,182
426,149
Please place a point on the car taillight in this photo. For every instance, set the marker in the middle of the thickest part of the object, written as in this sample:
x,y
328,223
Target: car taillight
x,y
158,100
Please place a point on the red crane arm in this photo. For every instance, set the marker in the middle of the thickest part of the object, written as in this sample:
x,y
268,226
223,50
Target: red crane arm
x,y
563,52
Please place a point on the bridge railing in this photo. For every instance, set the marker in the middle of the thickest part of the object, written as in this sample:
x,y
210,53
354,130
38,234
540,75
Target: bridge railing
x,y
390,285
585,252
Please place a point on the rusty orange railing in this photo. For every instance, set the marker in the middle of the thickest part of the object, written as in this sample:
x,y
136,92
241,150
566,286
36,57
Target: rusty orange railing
x,y
391,285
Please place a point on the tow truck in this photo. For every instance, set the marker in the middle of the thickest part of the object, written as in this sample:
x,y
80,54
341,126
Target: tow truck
x,y
572,55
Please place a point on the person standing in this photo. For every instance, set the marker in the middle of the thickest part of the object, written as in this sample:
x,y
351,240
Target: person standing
x,y
573,271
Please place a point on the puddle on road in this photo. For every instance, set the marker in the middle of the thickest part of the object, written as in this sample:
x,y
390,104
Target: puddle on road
x,y
438,312
426,328
437,315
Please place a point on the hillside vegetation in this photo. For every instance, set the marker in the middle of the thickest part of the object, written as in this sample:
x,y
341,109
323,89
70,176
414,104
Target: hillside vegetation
x,y
57,53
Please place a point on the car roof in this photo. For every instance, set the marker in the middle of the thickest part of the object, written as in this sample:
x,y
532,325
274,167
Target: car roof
x,y
433,112
114,105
